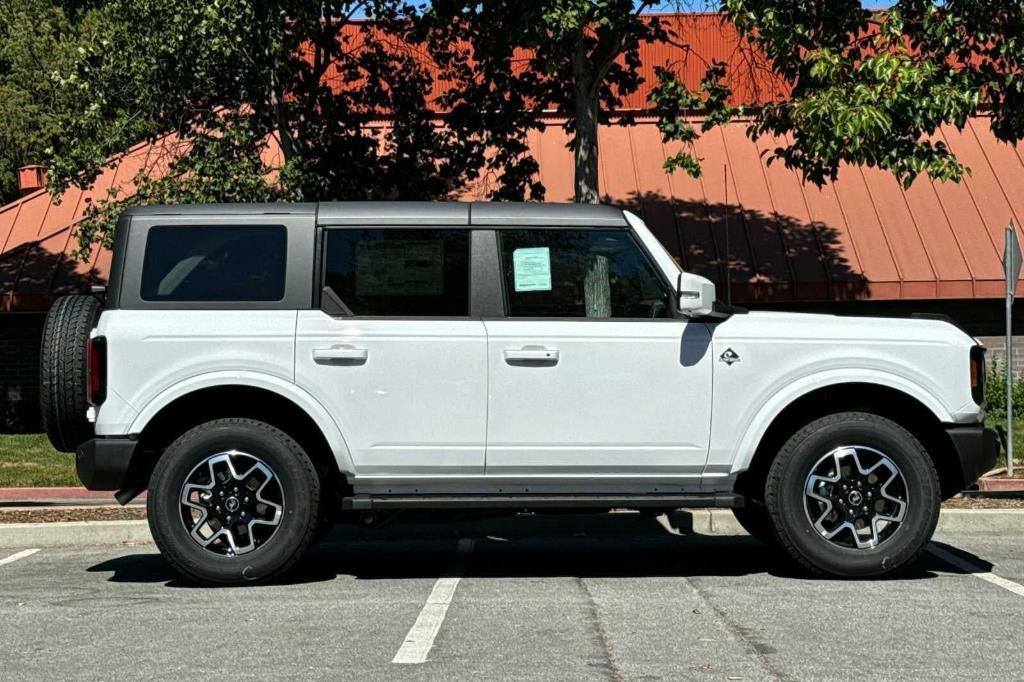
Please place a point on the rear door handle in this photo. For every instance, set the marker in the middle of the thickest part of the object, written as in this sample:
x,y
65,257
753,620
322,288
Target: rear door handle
x,y
340,355
531,356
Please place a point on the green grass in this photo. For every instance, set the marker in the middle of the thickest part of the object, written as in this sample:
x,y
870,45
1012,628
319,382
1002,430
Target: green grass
x,y
30,461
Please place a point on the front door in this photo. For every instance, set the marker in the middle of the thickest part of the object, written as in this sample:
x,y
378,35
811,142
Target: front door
x,y
590,374
394,355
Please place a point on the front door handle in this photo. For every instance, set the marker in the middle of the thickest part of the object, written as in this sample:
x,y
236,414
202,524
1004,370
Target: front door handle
x,y
340,355
531,356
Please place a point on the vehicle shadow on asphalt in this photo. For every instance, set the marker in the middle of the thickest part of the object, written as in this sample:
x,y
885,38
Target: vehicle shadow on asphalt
x,y
527,546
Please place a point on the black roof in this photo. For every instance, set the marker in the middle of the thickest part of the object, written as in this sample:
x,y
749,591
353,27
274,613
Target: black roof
x,y
508,214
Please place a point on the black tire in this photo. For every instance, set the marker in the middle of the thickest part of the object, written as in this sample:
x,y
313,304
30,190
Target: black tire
x,y
795,531
299,485
755,520
63,371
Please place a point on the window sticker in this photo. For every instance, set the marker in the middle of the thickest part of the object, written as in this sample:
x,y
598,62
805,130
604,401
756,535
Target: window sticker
x,y
532,268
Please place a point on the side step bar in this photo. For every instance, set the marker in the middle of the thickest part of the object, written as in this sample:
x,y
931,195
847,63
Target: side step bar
x,y
530,501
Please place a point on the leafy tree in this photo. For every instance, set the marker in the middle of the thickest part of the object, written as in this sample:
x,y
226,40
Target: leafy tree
x,y
866,87
37,39
575,57
222,79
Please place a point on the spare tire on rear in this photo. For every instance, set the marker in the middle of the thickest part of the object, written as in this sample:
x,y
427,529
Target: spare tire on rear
x,y
63,371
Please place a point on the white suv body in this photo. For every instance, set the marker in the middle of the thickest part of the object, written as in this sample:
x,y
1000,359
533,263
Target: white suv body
x,y
528,385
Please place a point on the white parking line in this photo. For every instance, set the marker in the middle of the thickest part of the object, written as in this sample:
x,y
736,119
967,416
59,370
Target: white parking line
x,y
977,571
20,555
421,636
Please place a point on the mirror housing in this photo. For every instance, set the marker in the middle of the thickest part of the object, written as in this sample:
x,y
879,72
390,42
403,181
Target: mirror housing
x,y
695,295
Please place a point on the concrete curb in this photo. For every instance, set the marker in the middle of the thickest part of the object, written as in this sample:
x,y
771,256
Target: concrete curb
x,y
960,521
981,521
74,533
704,522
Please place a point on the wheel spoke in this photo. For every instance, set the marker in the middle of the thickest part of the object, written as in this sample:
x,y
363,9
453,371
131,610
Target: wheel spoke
x,y
847,501
225,500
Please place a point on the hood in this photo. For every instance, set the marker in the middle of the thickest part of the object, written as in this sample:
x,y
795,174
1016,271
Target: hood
x,y
842,329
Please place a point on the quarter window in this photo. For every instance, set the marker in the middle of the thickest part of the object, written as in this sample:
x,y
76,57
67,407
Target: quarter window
x,y
399,272
215,263
600,274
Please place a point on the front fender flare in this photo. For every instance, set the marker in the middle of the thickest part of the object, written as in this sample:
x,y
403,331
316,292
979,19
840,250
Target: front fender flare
x,y
779,400
286,389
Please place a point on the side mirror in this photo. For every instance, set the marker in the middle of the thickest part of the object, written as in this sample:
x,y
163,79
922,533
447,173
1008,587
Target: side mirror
x,y
695,295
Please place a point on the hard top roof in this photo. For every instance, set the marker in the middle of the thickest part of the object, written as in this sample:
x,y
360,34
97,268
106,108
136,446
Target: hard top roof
x,y
507,214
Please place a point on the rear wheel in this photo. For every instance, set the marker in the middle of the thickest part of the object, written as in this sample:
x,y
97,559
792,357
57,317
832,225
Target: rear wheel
x,y
63,371
853,495
233,501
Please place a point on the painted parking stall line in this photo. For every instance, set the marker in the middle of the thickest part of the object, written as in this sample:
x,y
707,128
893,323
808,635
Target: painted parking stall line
x,y
20,555
976,571
420,639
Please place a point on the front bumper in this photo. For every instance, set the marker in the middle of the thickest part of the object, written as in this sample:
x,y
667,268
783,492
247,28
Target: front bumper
x,y
104,463
976,448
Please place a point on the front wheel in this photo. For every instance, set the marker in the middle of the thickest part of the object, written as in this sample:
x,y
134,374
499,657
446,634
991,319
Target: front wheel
x,y
853,495
233,501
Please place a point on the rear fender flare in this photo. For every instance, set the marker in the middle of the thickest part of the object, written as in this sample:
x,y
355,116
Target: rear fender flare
x,y
282,387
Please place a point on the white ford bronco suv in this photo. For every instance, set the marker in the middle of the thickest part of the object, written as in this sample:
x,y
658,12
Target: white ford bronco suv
x,y
268,370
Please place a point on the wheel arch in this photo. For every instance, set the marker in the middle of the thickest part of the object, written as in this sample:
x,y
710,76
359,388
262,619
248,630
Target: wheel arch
x,y
235,394
923,417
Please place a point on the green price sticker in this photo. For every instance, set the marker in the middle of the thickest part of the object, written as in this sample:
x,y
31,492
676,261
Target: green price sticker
x,y
532,269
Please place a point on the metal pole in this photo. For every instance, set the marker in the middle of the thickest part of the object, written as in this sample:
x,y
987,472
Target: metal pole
x,y
1011,266
1009,382
728,256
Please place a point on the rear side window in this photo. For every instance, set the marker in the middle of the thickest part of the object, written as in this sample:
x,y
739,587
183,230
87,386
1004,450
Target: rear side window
x,y
215,263
597,274
399,272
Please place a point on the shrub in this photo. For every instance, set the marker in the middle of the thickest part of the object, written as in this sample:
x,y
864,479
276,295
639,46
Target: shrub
x,y
995,392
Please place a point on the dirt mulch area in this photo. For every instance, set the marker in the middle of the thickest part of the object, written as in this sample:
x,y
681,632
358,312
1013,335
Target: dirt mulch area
x,y
974,502
58,514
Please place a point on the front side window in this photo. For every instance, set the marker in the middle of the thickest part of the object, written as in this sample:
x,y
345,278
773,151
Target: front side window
x,y
215,263
399,272
599,274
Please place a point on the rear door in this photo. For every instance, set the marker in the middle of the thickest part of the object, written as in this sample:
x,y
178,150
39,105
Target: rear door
x,y
393,352
590,373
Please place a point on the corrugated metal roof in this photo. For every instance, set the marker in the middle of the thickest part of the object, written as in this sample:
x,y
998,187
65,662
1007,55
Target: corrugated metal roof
x,y
860,237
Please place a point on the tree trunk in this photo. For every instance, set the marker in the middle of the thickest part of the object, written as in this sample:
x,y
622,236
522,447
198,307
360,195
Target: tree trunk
x,y
585,144
597,288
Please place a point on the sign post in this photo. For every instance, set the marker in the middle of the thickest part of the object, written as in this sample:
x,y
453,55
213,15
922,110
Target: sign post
x,y
1011,268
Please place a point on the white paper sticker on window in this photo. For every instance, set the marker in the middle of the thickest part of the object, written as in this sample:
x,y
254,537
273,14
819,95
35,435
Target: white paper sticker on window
x,y
532,269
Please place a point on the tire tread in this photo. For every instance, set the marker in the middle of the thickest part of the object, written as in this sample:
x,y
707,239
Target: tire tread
x,y
63,371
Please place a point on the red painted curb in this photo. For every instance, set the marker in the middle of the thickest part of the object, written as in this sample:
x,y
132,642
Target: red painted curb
x,y
18,494
1003,485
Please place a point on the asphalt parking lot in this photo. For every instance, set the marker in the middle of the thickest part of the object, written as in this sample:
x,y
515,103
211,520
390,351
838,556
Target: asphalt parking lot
x,y
575,597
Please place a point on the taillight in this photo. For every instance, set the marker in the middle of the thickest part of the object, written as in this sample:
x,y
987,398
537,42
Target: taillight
x,y
96,388
978,374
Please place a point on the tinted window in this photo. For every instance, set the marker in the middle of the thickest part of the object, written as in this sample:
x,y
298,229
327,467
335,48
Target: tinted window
x,y
600,274
394,272
215,263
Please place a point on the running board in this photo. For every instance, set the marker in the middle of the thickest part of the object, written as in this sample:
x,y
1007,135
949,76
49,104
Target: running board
x,y
525,501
